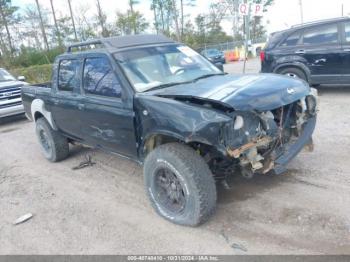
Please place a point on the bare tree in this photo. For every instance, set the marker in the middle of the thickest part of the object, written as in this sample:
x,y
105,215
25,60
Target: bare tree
x,y
184,3
32,21
58,33
102,18
154,8
72,17
176,20
42,26
85,26
6,11
132,12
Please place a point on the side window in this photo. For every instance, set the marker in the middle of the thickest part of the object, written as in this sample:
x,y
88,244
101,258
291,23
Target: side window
x,y
99,78
68,75
291,40
347,32
327,34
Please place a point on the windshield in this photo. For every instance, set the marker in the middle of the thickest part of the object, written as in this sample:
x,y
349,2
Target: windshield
x,y
160,66
5,76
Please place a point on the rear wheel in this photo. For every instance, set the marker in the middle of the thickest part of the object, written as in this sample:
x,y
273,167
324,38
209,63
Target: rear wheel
x,y
179,184
293,72
54,146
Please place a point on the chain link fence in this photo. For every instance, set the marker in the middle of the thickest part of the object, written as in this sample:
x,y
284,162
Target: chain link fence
x,y
230,45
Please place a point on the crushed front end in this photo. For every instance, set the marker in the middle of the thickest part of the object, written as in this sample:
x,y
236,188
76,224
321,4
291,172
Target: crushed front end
x,y
262,142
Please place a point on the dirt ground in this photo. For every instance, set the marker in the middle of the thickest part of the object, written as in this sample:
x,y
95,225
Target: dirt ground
x,y
103,209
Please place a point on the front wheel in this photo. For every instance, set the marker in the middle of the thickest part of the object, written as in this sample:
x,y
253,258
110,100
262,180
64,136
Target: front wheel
x,y
179,184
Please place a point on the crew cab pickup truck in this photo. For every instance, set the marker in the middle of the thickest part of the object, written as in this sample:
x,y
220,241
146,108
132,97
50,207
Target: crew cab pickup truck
x,y
162,104
10,94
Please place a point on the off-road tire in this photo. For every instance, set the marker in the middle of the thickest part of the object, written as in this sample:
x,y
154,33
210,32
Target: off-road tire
x,y
58,145
297,73
195,177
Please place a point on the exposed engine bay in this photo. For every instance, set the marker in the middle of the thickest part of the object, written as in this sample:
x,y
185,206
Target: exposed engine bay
x,y
254,140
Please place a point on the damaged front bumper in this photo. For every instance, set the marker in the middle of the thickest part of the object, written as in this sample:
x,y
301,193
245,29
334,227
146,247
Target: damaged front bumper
x,y
276,164
270,140
291,150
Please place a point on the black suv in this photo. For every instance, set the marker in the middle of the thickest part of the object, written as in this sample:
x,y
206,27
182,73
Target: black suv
x,y
318,52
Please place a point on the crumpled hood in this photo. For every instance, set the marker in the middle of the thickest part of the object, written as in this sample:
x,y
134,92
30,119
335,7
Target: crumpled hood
x,y
242,92
15,83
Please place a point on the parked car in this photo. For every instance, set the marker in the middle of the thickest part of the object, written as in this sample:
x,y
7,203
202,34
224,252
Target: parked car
x,y
317,52
214,55
163,105
10,94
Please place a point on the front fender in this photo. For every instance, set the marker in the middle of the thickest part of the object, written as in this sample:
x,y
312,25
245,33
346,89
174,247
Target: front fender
x,y
183,121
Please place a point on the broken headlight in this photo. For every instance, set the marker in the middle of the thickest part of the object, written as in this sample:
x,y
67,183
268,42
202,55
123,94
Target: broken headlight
x,y
311,104
238,122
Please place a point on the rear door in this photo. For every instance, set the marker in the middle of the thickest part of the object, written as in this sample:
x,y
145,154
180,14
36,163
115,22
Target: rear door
x,y
106,121
66,103
345,66
321,47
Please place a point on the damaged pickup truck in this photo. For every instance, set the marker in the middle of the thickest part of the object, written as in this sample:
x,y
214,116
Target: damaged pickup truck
x,y
162,104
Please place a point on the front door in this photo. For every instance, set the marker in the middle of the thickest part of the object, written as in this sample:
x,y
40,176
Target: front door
x,y
106,122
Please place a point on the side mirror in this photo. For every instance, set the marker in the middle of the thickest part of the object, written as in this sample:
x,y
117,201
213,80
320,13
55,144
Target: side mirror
x,y
21,78
220,66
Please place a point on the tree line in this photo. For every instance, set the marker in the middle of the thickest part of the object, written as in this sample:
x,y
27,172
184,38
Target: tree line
x,y
34,35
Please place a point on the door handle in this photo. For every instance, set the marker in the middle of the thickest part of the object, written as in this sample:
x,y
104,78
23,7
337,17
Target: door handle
x,y
55,101
81,106
300,52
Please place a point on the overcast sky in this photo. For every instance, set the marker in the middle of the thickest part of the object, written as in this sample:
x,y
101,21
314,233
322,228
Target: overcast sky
x,y
281,15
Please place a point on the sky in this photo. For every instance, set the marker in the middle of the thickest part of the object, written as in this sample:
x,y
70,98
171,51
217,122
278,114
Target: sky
x,y
282,15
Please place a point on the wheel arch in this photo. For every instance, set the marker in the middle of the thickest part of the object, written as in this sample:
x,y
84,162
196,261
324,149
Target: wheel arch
x,y
38,110
296,65
155,139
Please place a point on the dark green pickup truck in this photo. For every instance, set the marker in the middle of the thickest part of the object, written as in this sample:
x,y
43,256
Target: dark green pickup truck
x,y
163,105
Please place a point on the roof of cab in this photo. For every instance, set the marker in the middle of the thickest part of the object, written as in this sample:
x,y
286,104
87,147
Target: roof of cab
x,y
313,23
119,42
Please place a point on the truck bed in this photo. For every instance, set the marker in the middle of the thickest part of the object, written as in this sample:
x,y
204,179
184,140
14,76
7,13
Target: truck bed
x,y
31,92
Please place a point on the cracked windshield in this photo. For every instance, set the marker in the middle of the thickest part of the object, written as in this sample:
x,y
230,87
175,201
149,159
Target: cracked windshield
x,y
161,66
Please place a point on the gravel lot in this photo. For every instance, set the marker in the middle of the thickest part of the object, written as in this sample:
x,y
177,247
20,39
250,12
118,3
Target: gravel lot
x,y
103,209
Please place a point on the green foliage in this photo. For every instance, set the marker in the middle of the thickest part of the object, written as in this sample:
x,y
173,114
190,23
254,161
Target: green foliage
x,y
21,41
29,57
131,23
34,74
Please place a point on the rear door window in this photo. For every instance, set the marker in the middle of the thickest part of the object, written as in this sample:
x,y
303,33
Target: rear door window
x,y
326,34
291,40
273,40
68,75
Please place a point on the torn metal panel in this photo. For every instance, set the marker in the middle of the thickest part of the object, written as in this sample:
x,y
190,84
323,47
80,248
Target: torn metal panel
x,y
184,121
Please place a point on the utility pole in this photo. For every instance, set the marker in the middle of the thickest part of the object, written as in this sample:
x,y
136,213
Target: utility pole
x,y
301,11
71,15
247,34
42,26
342,9
56,25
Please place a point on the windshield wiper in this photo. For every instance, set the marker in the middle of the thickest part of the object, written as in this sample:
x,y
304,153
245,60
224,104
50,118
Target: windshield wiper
x,y
168,85
207,75
185,82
